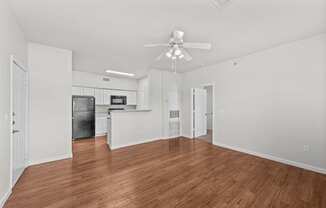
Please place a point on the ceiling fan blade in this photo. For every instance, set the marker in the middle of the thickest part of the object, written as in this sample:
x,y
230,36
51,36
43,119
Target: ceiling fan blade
x,y
187,56
160,57
205,46
221,3
156,45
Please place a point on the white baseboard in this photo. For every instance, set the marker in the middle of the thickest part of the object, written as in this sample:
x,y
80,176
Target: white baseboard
x,y
274,158
100,134
114,147
4,198
187,136
51,159
145,141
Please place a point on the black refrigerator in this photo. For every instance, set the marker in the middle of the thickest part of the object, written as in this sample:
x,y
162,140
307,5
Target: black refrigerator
x,y
83,117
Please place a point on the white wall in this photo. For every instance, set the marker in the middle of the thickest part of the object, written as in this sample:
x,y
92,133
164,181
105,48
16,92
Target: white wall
x,y
272,102
51,75
12,42
171,91
96,80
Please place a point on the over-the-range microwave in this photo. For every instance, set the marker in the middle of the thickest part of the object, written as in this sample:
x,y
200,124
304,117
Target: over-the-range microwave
x,y
118,100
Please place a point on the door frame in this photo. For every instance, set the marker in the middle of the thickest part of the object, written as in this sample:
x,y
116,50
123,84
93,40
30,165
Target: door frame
x,y
213,115
14,61
192,108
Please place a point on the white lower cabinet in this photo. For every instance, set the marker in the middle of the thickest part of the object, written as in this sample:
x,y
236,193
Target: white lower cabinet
x,y
101,126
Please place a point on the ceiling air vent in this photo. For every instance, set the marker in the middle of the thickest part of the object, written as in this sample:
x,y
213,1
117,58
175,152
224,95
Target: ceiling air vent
x,y
106,79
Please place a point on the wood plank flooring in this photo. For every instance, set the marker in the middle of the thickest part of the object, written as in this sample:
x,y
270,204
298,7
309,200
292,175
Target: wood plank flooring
x,y
208,137
167,173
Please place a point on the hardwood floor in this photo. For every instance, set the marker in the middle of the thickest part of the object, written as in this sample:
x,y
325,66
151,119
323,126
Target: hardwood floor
x,y
208,137
167,173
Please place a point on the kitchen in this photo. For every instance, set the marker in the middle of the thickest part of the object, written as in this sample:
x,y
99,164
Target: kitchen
x,y
121,104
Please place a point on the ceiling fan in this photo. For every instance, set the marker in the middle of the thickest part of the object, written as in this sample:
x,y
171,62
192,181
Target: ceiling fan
x,y
221,3
176,47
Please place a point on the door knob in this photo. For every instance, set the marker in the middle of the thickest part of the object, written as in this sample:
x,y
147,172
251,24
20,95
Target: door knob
x,y
15,131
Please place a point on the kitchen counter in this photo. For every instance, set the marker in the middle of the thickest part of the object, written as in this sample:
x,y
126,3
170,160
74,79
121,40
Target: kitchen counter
x,y
131,110
132,126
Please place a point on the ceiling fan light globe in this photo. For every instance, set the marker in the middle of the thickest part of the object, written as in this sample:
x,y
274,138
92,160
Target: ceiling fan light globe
x,y
177,52
168,54
181,56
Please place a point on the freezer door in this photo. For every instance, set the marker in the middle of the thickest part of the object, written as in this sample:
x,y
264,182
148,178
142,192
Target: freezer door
x,y
83,104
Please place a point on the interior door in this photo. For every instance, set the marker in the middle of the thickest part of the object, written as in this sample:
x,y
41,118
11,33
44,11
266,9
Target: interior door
x,y
19,84
199,112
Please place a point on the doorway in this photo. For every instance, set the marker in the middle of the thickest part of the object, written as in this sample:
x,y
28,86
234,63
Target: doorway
x,y
202,113
19,119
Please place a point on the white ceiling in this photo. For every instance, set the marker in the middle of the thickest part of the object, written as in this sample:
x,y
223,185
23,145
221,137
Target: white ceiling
x,y
110,34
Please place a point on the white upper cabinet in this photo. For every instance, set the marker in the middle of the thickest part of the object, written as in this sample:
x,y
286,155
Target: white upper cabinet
x,y
103,96
118,92
131,98
77,91
88,92
107,97
143,93
99,96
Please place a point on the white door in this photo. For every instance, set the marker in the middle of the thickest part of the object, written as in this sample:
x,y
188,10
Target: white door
x,y
19,93
199,98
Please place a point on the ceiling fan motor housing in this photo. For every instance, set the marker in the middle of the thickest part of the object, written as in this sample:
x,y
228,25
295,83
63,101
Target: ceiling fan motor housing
x,y
177,37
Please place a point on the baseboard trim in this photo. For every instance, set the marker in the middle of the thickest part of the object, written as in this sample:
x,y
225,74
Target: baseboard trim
x,y
113,147
187,136
100,134
50,159
274,158
5,198
145,141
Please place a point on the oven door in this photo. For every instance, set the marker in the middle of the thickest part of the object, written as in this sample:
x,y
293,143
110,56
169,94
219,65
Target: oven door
x,y
118,100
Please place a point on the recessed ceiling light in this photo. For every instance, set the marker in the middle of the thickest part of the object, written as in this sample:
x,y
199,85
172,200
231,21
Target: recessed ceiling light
x,y
119,73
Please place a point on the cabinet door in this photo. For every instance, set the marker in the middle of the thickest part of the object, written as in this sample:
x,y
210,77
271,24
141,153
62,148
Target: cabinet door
x,y
88,91
105,125
77,91
101,126
106,97
131,98
99,97
118,92
140,99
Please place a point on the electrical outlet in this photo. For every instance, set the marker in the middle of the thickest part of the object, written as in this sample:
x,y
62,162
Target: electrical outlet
x,y
306,148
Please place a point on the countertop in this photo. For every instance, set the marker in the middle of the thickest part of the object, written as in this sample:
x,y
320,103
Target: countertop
x,y
131,110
